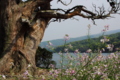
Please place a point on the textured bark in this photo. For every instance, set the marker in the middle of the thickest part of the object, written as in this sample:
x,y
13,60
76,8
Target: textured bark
x,y
18,40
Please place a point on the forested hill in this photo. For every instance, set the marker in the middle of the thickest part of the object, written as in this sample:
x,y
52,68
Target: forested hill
x,y
59,42
93,44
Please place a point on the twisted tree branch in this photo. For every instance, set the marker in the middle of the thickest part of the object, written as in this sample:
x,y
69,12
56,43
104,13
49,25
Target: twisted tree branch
x,y
76,12
64,2
48,13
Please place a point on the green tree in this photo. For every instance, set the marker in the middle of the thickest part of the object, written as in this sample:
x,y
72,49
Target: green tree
x,y
44,58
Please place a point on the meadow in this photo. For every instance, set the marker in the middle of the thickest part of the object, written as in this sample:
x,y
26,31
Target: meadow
x,y
88,66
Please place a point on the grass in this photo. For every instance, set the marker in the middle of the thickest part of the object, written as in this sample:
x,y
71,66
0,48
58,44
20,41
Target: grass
x,y
81,67
84,67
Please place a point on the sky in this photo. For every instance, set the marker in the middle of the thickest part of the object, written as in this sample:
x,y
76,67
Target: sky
x,y
74,28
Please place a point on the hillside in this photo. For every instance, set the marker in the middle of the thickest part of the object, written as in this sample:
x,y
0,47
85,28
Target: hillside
x,y
59,42
94,44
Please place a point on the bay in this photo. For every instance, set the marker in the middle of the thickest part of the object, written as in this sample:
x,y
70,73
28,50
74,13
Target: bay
x,y
57,58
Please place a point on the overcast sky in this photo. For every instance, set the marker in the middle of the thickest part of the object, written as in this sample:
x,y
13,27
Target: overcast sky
x,y
75,28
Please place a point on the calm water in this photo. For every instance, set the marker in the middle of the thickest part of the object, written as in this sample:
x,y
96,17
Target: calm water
x,y
57,58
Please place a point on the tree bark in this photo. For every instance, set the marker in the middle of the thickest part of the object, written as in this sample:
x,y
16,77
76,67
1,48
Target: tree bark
x,y
18,40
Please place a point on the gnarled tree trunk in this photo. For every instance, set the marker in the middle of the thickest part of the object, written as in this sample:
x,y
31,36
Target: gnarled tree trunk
x,y
18,40
22,29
